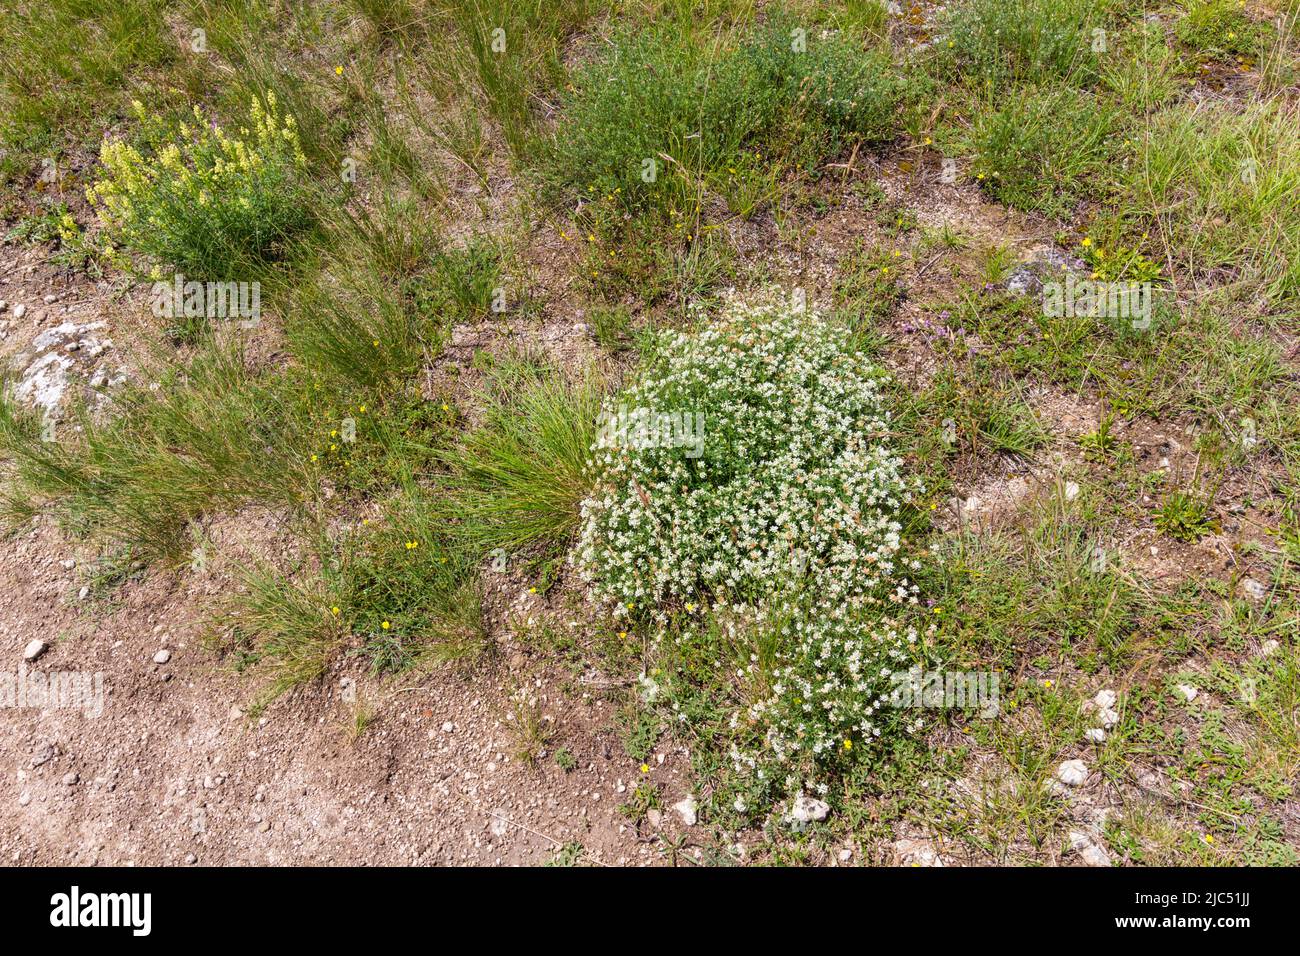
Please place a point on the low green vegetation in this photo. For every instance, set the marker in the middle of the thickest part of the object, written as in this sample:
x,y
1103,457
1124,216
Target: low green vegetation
x,y
500,392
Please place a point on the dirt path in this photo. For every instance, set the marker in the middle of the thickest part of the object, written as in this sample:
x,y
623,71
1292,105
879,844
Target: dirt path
x,y
172,771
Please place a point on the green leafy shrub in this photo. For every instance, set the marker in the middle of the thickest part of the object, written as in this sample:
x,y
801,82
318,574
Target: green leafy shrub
x,y
745,487
1000,45
204,202
656,96
1044,149
57,226
1221,29
459,283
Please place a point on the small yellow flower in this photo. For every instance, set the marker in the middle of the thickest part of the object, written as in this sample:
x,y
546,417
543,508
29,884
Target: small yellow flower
x,y
532,590
690,607
1209,838
385,625
334,610
338,70
1086,242
622,633
848,744
645,768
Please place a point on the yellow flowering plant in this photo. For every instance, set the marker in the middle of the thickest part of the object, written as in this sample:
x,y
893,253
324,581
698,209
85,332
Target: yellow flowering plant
x,y
194,197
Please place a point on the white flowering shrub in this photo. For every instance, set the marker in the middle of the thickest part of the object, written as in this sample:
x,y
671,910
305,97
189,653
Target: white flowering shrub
x,y
776,526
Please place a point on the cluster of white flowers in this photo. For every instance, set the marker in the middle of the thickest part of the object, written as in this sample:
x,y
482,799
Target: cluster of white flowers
x,y
786,523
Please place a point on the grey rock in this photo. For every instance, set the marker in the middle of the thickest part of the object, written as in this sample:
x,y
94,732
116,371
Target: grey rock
x,y
688,810
1072,773
806,809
